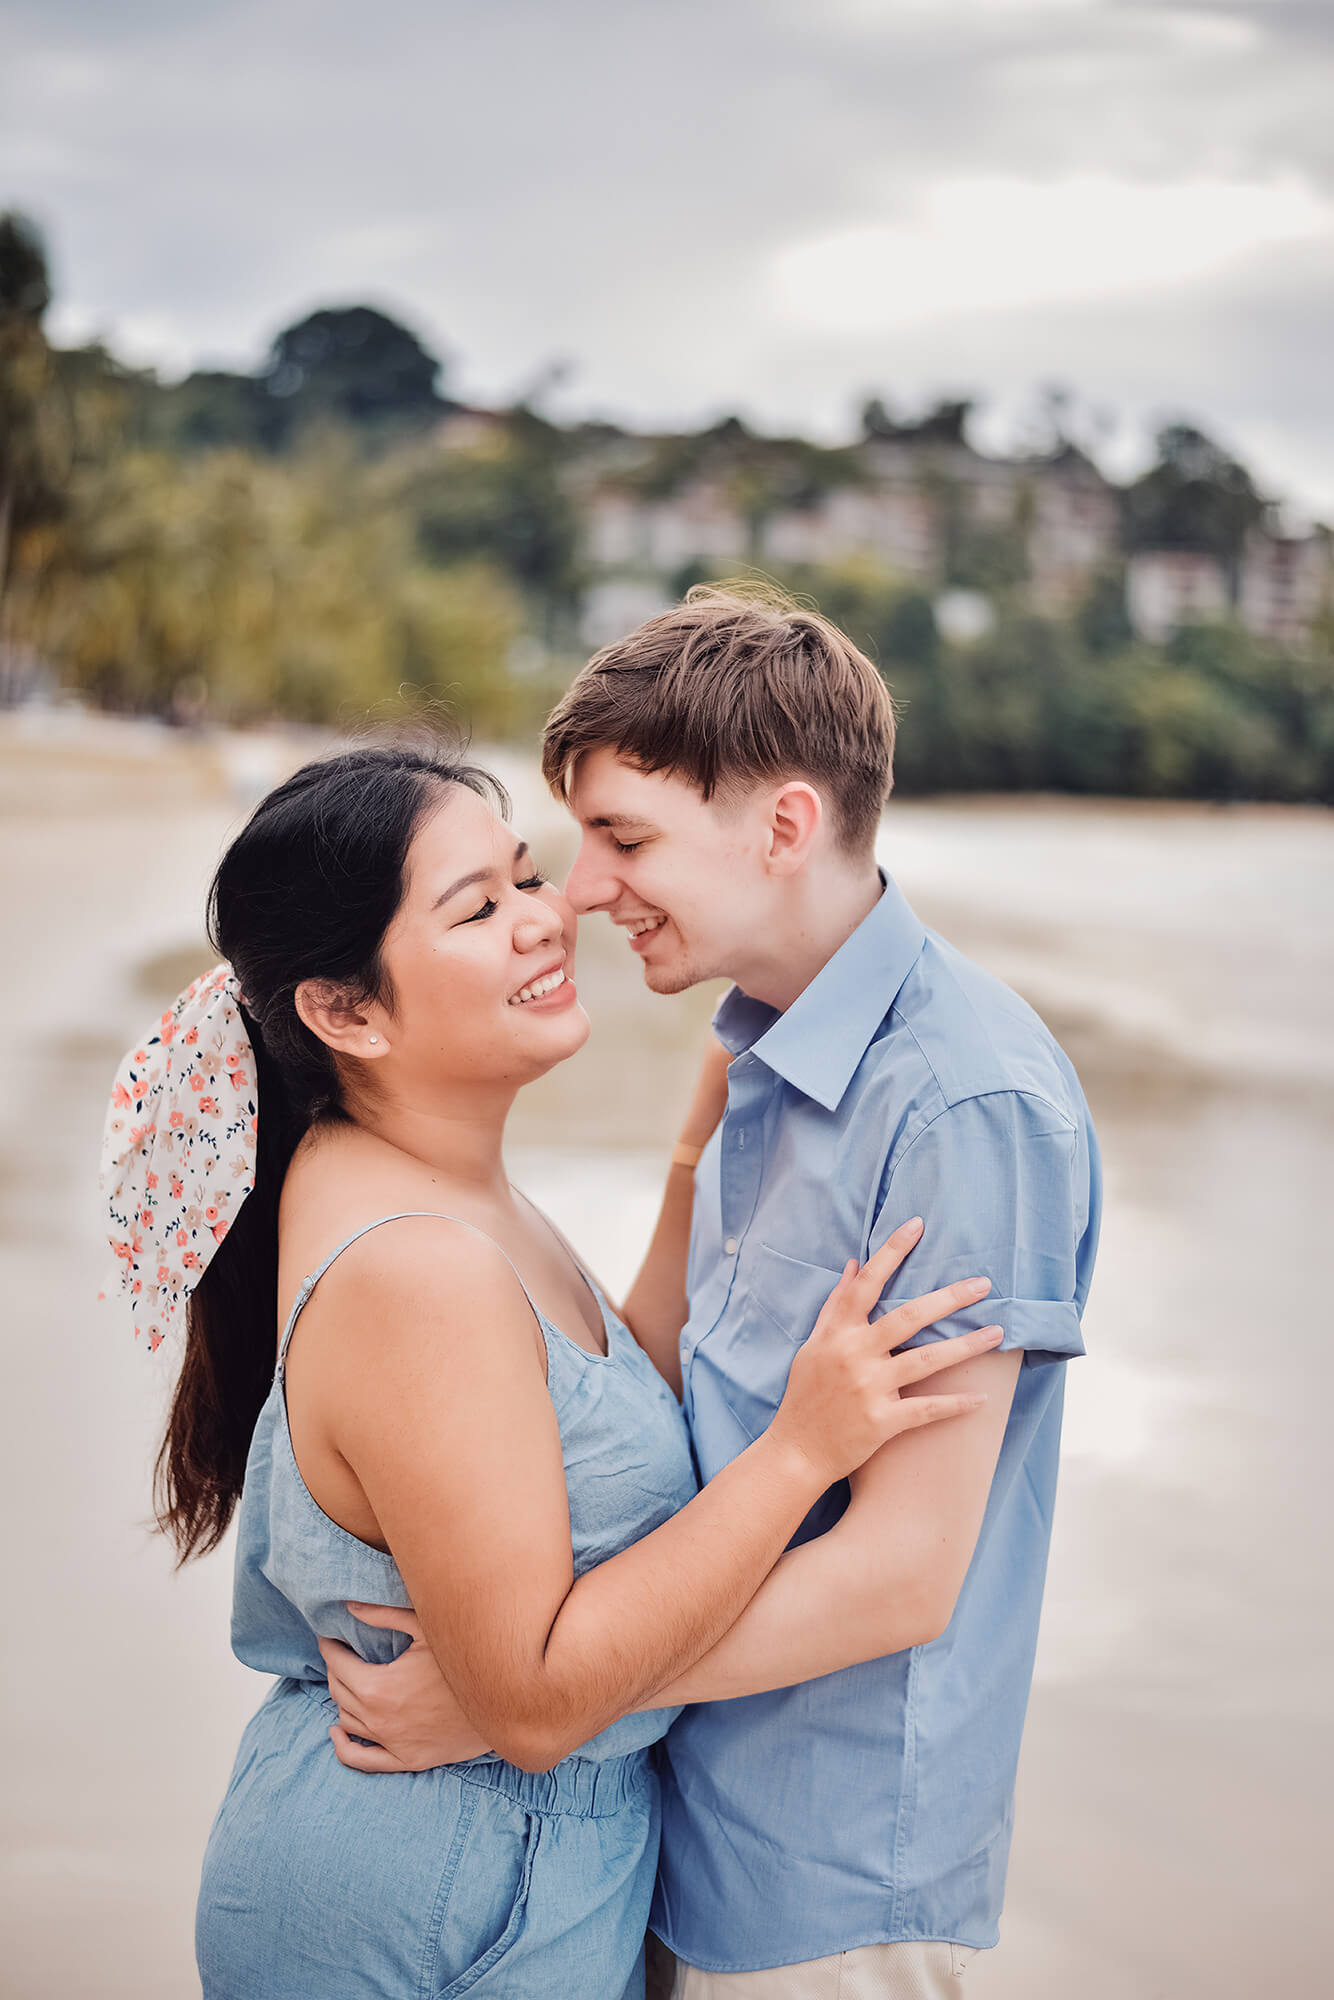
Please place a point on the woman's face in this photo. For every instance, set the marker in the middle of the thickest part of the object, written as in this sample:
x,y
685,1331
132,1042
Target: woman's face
x,y
480,955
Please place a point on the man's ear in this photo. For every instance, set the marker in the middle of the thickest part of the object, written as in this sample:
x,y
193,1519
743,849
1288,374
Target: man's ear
x,y
795,814
347,1030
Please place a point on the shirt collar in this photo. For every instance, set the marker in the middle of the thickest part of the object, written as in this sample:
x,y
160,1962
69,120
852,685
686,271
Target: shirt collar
x,y
817,1042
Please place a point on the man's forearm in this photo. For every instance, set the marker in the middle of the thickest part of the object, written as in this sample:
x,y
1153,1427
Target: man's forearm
x,y
888,1574
824,1606
655,1307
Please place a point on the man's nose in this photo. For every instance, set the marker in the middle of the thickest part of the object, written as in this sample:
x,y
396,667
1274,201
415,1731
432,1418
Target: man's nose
x,y
589,885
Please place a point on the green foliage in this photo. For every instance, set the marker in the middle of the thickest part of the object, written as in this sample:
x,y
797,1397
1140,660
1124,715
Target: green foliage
x,y
305,542
163,561
1031,706
1195,497
32,447
1102,621
944,423
25,287
351,365
249,588
351,370
987,556
210,411
758,476
1077,706
503,501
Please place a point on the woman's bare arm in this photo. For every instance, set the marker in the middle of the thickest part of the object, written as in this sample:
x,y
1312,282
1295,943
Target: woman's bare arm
x,y
674,1594
446,1422
887,1575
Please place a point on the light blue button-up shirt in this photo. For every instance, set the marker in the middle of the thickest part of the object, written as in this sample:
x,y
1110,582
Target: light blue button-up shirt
x,y
875,1804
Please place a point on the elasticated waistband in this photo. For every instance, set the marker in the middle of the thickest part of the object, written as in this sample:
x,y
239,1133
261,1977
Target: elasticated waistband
x,y
587,1787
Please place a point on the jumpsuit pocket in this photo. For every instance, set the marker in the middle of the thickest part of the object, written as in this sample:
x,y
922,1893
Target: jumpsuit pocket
x,y
783,1299
486,1898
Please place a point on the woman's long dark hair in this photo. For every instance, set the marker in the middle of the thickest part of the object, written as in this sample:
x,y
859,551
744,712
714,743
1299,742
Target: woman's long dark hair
x,y
307,890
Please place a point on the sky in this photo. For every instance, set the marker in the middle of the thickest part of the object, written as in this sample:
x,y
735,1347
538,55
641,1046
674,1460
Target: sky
x,y
702,207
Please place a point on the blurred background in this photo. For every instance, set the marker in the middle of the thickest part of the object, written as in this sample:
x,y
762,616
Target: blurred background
x,y
355,362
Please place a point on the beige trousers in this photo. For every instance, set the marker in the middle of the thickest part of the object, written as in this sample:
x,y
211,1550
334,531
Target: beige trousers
x,y
874,1972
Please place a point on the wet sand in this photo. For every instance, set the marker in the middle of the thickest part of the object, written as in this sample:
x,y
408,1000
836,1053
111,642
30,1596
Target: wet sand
x,y
1171,1791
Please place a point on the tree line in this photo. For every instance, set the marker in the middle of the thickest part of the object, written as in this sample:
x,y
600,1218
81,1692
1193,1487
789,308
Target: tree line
x,y
298,542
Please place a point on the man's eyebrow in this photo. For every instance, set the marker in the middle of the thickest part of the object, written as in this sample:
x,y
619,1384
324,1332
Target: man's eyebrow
x,y
477,875
617,822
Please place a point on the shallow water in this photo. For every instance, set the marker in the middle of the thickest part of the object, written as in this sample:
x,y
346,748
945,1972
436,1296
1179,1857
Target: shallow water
x,y
1171,1789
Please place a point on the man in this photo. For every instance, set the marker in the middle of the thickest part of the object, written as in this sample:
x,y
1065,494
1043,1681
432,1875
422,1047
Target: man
x,y
837,1800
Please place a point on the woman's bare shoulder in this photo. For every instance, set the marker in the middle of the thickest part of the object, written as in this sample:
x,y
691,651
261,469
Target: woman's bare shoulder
x,y
419,1276
342,1179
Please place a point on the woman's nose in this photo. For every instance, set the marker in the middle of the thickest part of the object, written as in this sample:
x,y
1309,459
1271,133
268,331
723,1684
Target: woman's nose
x,y
540,924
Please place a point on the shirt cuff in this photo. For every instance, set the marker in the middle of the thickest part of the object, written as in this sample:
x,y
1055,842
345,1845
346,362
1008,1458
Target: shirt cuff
x,y
1043,1329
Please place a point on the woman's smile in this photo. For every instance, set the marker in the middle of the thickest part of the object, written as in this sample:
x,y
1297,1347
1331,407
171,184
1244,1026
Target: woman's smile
x,y
547,992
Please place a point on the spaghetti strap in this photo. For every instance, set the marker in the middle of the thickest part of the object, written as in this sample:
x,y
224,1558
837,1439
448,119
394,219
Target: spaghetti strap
x,y
308,1285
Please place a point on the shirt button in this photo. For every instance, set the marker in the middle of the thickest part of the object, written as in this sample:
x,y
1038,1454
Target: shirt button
x,y
729,1247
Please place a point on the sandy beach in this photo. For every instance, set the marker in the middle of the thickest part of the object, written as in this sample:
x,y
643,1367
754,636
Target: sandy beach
x,y
1171,1793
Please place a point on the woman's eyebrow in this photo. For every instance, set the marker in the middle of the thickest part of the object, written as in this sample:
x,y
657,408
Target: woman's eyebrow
x,y
477,875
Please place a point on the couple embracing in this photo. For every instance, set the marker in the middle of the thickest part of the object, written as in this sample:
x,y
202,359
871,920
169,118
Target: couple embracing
x,y
715,1613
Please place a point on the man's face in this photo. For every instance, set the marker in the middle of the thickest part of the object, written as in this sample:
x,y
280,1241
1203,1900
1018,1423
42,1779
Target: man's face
x,y
684,878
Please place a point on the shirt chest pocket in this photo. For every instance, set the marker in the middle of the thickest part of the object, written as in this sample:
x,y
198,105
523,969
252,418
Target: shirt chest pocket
x,y
775,1304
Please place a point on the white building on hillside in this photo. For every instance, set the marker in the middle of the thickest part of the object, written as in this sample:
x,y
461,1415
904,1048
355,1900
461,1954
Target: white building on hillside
x,y
1075,529
896,525
1286,582
1168,588
699,522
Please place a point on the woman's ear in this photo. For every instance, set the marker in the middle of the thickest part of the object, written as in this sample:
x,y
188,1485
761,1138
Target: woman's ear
x,y
342,1027
795,814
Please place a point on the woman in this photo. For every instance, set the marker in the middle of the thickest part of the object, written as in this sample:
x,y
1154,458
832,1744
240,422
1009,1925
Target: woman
x,y
458,1421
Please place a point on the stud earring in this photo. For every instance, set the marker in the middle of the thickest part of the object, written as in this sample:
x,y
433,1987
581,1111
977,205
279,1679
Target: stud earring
x,y
375,1038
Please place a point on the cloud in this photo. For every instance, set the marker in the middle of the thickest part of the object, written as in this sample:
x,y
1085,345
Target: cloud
x,y
724,203
993,244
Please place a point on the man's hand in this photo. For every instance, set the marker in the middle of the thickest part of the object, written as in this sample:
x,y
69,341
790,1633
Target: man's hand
x,y
405,1710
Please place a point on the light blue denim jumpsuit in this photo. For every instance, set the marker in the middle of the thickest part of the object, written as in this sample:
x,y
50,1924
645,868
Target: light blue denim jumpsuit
x,y
322,1883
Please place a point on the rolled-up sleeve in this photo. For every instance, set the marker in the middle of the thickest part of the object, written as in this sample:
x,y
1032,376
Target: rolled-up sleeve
x,y
1000,1186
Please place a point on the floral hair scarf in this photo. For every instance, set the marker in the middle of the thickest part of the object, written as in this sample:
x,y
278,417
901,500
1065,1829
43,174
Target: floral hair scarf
x,y
179,1150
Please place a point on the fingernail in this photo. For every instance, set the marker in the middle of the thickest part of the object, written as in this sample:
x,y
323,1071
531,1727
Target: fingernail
x,y
991,1334
913,1222
977,1287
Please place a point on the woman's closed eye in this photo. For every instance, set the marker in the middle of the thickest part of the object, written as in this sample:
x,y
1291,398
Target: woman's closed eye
x,y
490,906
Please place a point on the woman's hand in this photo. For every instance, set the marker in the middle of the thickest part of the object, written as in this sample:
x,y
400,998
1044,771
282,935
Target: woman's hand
x,y
843,1400
405,1710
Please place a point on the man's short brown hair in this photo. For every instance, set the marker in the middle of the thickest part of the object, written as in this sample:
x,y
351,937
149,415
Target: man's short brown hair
x,y
731,689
